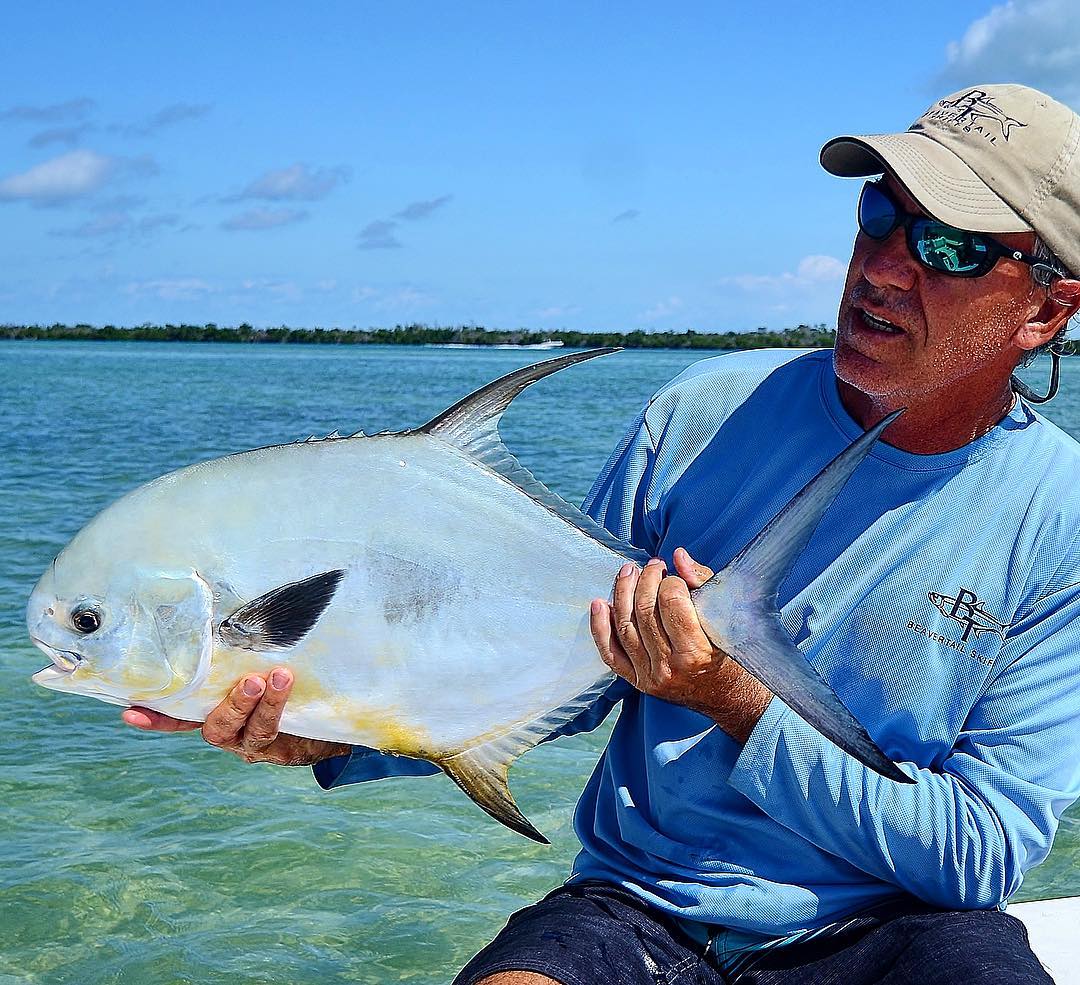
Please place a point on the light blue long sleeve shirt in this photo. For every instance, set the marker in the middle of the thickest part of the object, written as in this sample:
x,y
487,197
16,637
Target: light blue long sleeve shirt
x,y
938,597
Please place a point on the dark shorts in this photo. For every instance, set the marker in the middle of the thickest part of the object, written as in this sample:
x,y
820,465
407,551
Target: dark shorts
x,y
591,932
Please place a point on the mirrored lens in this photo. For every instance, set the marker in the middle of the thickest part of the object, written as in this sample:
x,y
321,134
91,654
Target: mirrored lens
x,y
948,249
877,213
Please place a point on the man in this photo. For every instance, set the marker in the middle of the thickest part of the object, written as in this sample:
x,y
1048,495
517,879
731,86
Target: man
x,y
722,838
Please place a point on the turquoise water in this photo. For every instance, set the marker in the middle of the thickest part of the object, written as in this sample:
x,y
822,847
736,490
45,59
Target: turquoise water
x,y
137,858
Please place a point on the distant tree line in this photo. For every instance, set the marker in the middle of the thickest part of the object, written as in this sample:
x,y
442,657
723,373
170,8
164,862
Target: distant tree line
x,y
798,337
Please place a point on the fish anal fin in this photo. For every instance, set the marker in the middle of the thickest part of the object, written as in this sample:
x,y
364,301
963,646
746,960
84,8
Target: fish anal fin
x,y
282,617
483,776
482,770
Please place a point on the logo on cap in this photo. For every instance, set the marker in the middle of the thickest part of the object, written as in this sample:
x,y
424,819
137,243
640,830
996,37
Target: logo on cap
x,y
975,112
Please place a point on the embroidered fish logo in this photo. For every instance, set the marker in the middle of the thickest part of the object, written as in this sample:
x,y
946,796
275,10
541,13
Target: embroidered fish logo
x,y
969,612
975,106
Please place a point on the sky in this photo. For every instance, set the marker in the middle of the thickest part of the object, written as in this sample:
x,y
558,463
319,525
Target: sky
x,y
577,165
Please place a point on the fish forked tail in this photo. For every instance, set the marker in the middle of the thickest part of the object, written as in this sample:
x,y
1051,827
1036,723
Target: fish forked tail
x,y
738,610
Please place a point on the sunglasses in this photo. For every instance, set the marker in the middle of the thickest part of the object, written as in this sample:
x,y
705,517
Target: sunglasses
x,y
946,249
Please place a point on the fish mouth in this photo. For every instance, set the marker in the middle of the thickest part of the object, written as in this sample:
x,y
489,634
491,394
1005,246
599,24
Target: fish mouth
x,y
65,661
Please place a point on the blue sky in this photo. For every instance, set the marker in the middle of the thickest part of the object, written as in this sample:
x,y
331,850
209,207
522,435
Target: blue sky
x,y
546,165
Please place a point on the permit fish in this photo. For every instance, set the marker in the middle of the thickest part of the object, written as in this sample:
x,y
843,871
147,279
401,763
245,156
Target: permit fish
x,y
428,592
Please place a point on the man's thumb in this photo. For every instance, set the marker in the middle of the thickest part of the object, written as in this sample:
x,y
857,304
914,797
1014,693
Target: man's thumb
x,y
695,575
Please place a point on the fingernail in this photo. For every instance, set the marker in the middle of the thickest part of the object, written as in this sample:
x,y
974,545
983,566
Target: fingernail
x,y
656,561
253,686
595,606
626,570
279,680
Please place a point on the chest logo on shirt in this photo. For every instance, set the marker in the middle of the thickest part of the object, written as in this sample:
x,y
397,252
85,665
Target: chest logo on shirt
x,y
969,612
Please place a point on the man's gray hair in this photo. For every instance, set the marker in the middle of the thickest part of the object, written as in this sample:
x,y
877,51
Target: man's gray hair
x,y
1044,274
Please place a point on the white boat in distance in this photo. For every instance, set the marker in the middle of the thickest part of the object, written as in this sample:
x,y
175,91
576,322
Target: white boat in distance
x,y
546,344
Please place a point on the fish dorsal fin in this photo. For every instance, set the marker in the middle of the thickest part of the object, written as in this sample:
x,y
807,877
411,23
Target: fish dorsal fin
x,y
282,617
481,770
472,425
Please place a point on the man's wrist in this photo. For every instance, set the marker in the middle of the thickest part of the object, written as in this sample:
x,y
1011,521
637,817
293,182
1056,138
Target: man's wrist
x,y
336,749
745,701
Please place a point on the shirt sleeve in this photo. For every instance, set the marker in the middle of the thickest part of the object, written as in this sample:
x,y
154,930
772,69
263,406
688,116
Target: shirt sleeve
x,y
619,499
965,833
368,764
612,503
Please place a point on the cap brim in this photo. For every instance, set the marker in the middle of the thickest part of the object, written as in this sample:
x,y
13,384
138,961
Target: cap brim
x,y
939,181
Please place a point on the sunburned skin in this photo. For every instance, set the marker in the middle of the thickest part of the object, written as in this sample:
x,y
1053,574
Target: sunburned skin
x,y
959,338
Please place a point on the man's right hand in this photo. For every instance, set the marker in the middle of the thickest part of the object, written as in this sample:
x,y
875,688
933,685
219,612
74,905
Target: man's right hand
x,y
246,724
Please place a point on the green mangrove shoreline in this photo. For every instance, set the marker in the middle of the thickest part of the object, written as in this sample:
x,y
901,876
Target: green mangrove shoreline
x,y
802,336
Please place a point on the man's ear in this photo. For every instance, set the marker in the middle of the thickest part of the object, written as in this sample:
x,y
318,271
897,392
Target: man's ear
x,y
1062,302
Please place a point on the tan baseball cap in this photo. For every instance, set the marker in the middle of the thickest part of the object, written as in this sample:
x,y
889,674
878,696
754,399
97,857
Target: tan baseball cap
x,y
991,159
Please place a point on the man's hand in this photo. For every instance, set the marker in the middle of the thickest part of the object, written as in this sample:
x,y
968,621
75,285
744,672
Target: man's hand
x,y
246,723
650,635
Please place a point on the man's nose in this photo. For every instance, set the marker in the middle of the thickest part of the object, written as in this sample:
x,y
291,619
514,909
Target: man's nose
x,y
888,262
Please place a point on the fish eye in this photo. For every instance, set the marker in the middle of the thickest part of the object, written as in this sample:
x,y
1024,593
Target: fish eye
x,y
86,619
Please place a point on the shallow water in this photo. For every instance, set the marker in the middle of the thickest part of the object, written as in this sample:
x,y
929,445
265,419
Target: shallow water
x,y
137,858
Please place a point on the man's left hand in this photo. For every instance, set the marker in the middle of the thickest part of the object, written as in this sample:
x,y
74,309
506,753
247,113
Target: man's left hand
x,y
651,636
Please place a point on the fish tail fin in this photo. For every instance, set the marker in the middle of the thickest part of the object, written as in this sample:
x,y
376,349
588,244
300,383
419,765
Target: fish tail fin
x,y
482,770
738,609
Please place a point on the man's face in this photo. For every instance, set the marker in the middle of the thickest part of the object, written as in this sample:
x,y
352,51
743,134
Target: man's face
x,y
946,330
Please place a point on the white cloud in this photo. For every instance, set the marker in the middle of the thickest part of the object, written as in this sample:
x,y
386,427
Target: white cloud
x,y
812,271
105,224
165,117
405,298
401,299
662,309
71,175
115,220
298,183
170,288
256,219
265,287
820,269
558,311
1036,42
379,235
151,223
422,209
60,135
73,109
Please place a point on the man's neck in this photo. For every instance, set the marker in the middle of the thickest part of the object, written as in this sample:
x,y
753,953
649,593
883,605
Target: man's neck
x,y
930,426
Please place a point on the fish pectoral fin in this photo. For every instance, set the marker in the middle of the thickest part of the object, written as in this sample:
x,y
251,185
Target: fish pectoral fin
x,y
481,770
738,609
482,774
282,617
